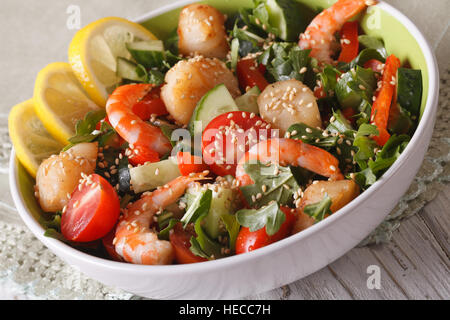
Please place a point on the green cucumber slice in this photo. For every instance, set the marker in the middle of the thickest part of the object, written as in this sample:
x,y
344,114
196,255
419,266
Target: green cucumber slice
x,y
129,70
216,101
409,90
148,53
221,204
151,175
247,102
287,17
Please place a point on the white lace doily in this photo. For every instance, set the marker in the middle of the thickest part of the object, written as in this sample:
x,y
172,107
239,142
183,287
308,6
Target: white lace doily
x,y
30,271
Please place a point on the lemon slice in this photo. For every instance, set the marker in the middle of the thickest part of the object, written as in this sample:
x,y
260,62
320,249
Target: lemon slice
x,y
60,100
94,50
32,142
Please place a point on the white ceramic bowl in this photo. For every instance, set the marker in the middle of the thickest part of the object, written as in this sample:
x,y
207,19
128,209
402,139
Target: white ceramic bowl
x,y
275,265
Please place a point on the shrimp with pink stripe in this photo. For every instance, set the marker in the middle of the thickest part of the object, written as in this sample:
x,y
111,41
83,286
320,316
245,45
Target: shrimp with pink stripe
x,y
144,139
135,241
319,35
290,152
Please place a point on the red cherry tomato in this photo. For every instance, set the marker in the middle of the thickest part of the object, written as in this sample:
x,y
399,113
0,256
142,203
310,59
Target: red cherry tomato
x,y
374,64
188,163
225,138
248,241
180,240
92,211
349,42
348,114
250,74
139,155
107,242
150,104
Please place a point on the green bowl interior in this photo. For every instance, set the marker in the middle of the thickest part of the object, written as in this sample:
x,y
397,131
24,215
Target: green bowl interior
x,y
375,22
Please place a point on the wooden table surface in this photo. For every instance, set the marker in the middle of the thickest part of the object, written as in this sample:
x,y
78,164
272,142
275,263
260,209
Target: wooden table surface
x,y
415,265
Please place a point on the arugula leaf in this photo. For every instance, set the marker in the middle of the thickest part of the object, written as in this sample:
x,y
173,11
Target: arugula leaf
x,y
269,216
164,233
319,210
85,127
202,245
279,183
199,207
233,227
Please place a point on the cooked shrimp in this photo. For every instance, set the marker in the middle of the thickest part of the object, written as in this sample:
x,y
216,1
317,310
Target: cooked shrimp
x,y
341,193
290,152
58,176
143,137
319,35
285,103
189,80
135,241
201,30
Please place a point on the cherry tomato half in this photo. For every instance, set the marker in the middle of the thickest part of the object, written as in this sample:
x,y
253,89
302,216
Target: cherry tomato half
x,y
248,241
180,240
227,137
150,104
188,163
250,74
92,211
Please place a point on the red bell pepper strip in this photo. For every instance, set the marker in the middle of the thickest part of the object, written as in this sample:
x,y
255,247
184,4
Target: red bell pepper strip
x,y
349,42
382,104
250,75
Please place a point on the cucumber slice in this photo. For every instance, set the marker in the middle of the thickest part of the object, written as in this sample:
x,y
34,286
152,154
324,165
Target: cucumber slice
x,y
148,53
151,175
247,102
409,89
129,70
216,101
287,17
221,204
234,53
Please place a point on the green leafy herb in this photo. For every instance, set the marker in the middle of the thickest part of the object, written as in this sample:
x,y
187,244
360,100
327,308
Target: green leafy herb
x,y
273,183
202,245
269,216
366,55
328,79
233,227
354,86
319,210
155,77
373,43
169,225
285,60
199,206
84,128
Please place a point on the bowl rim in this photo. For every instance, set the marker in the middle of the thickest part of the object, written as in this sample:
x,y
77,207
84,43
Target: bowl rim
x,y
426,120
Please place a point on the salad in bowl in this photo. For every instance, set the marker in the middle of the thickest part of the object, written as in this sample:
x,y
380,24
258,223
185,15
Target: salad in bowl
x,y
232,133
